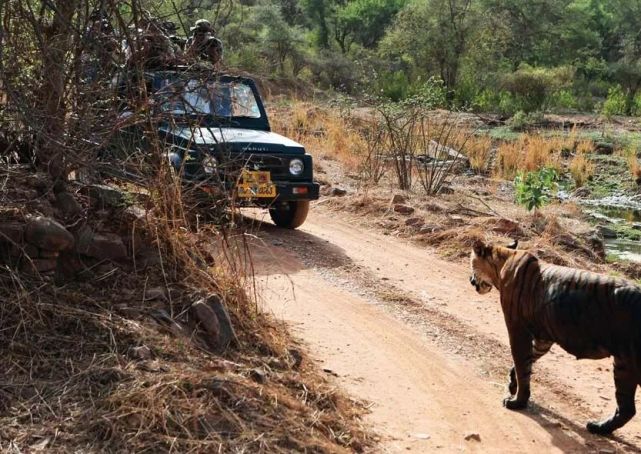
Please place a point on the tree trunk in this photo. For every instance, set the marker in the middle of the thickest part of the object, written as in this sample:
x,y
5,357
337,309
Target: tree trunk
x,y
52,89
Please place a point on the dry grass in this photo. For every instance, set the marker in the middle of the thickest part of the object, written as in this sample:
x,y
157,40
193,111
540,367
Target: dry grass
x,y
633,165
581,169
534,151
324,132
72,382
478,150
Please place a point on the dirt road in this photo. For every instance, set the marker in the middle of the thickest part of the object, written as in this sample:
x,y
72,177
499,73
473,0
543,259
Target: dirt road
x,y
403,330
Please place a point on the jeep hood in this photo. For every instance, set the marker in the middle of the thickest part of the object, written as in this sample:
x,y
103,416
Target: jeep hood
x,y
247,140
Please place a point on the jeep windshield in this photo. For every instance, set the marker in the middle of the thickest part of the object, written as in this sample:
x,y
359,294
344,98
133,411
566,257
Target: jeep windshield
x,y
211,101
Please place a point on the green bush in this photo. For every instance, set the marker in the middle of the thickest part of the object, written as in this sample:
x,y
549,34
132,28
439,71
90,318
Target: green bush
x,y
531,86
522,120
394,86
533,189
615,102
562,99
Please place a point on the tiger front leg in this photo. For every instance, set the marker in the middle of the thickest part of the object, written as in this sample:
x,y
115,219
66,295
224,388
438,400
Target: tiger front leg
x,y
539,348
522,355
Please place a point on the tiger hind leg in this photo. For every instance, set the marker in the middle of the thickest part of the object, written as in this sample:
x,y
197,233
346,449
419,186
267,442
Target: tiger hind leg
x,y
625,382
539,349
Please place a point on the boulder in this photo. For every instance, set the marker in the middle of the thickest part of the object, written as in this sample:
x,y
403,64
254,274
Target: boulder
x,y
582,193
12,232
606,232
68,205
508,227
40,265
207,319
604,148
141,353
415,222
445,189
227,333
403,209
338,192
106,196
48,234
102,246
398,198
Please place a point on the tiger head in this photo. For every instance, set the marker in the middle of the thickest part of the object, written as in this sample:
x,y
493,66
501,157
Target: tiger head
x,y
484,268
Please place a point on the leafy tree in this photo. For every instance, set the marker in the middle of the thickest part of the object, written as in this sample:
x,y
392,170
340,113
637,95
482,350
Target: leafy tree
x,y
432,34
364,21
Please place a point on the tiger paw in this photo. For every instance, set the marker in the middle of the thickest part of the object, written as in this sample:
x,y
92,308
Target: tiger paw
x,y
514,404
599,428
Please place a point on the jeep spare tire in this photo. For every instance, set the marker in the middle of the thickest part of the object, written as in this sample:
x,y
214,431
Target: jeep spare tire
x,y
290,215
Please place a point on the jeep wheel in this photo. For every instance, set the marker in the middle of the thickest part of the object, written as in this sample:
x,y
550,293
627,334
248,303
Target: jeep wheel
x,y
290,215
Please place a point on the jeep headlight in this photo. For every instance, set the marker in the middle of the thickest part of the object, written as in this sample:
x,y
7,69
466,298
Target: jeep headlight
x,y
296,167
210,164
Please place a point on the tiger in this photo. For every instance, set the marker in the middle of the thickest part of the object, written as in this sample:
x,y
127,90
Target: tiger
x,y
589,315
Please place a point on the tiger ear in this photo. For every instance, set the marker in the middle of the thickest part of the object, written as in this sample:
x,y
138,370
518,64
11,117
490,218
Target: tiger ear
x,y
513,245
479,248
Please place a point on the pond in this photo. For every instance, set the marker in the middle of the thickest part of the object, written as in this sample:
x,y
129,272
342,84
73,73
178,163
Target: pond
x,y
617,212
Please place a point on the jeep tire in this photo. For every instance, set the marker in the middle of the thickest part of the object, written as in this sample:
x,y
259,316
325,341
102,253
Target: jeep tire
x,y
290,215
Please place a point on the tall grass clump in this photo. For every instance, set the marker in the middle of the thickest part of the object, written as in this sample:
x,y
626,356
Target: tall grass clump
x,y
530,152
581,169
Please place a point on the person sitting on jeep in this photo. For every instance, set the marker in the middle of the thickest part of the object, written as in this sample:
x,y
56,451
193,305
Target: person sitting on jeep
x,y
203,44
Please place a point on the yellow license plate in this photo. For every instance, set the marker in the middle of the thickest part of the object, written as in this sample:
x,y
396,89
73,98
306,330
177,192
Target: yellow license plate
x,y
256,184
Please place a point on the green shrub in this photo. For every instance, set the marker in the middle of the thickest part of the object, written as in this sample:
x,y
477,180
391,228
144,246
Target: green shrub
x,y
562,99
394,86
429,94
522,120
531,86
615,102
533,189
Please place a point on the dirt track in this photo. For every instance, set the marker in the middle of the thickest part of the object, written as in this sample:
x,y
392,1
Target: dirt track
x,y
403,330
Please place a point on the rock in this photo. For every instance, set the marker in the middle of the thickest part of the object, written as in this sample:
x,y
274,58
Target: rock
x,y
473,436
507,227
433,207
32,251
415,222
12,231
606,232
48,234
106,196
297,358
68,205
155,293
134,214
227,333
259,375
44,254
208,321
40,265
429,228
214,319
582,193
597,245
40,206
338,192
403,209
398,198
604,148
141,353
445,189
105,246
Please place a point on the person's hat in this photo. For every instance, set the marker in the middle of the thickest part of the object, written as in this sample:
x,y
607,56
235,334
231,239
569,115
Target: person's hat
x,y
202,26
